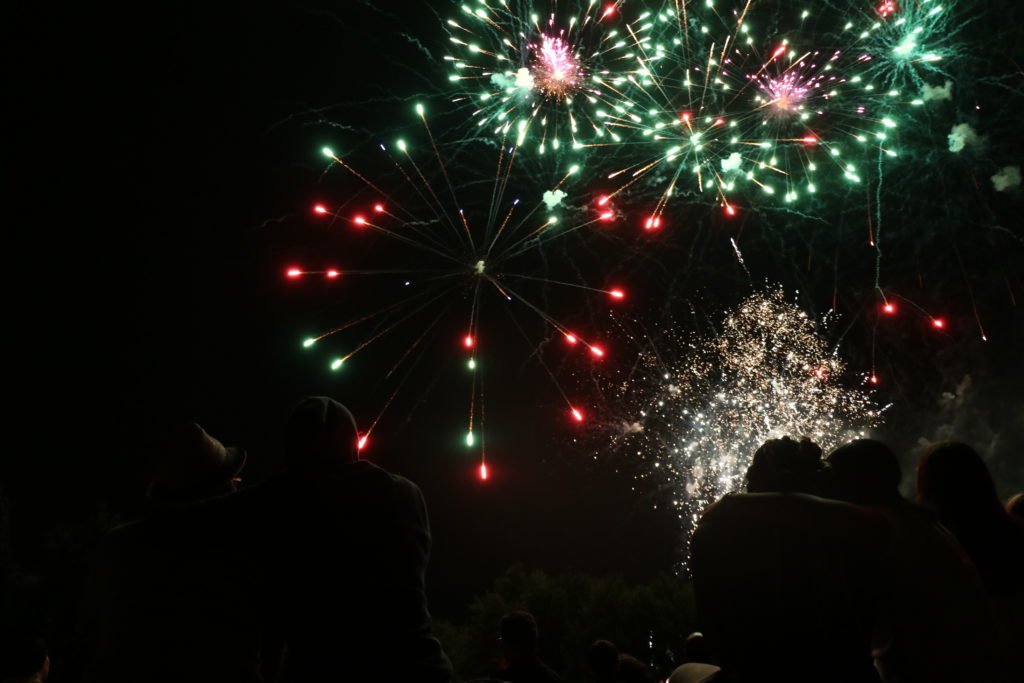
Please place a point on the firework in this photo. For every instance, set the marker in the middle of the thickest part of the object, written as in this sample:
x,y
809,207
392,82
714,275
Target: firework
x,y
766,373
713,106
906,44
539,76
443,268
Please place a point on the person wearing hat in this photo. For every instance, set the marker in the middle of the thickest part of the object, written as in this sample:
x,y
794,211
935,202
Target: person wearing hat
x,y
167,596
191,465
347,545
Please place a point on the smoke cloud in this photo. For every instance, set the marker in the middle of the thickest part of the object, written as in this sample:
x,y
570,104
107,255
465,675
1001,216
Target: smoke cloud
x,y
1006,179
937,93
962,136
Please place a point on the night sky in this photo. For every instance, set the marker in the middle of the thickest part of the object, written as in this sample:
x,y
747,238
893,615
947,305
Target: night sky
x,y
167,159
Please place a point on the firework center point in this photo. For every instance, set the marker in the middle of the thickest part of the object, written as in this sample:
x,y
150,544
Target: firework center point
x,y
479,267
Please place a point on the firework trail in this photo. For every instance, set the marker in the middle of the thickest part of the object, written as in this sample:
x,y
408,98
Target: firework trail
x,y
784,116
444,267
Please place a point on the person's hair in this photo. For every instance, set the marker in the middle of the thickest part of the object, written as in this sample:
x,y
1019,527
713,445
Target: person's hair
x,y
785,466
865,472
519,629
953,479
603,657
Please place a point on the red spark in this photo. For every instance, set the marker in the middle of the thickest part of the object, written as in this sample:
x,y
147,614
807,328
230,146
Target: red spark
x,y
938,323
719,121
819,373
602,200
320,208
873,379
468,341
361,444
778,51
294,272
617,294
685,116
653,223
379,208
607,216
887,8
730,209
577,415
810,140
483,471
332,273
610,9
889,308
359,220
597,351
571,338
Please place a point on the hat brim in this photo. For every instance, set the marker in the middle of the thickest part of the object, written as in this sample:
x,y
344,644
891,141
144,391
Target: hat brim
x,y
234,461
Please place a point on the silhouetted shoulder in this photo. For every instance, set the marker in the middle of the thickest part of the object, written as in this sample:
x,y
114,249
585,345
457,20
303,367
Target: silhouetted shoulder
x,y
752,510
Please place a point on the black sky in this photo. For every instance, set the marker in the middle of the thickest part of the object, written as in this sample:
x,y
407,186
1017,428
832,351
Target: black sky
x,y
165,166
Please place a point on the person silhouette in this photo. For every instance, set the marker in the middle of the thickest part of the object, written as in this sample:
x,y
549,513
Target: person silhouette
x,y
786,582
519,648
347,545
935,622
165,599
953,480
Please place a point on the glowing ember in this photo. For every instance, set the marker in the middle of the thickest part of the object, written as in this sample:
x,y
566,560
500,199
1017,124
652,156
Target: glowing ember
x,y
787,92
887,8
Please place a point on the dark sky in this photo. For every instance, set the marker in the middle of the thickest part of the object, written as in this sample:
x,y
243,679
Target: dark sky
x,y
166,165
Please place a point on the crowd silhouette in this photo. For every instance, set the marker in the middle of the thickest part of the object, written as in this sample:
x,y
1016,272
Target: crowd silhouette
x,y
820,571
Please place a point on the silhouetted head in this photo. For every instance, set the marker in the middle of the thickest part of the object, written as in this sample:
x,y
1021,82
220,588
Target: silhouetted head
x,y
953,480
865,472
603,660
785,466
1015,506
321,432
191,465
695,648
518,632
632,670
